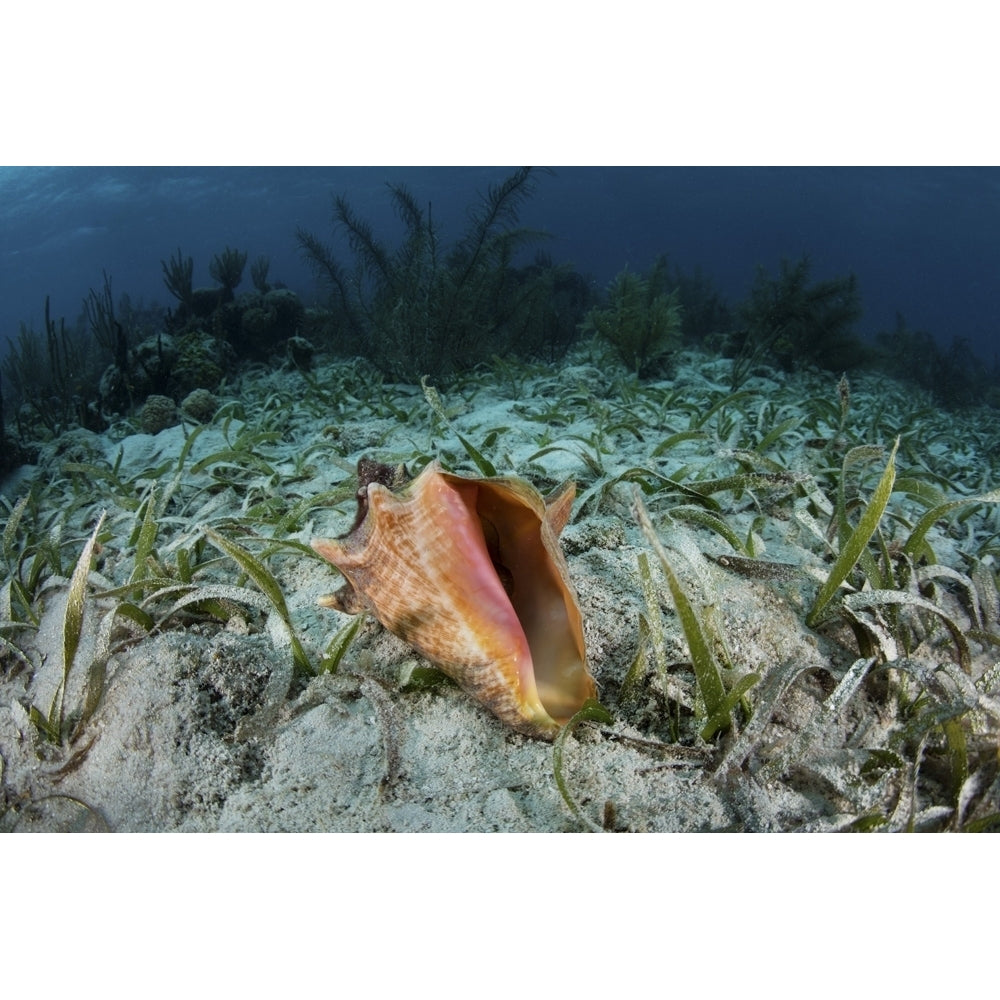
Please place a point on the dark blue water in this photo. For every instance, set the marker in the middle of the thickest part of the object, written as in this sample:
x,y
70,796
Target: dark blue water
x,y
925,242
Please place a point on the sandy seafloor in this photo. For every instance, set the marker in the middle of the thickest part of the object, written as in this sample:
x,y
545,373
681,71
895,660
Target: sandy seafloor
x,y
202,726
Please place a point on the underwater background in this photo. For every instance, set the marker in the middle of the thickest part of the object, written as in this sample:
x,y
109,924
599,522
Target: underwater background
x,y
922,241
432,270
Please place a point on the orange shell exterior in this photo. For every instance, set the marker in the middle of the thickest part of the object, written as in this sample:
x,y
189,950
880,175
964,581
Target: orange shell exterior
x,y
469,572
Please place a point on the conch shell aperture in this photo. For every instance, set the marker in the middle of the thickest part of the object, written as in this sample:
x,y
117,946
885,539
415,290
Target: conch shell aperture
x,y
469,572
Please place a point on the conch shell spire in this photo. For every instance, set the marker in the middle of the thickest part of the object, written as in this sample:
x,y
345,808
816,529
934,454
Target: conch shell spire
x,y
470,573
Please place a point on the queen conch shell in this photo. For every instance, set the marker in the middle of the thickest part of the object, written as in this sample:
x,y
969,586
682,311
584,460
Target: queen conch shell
x,y
469,572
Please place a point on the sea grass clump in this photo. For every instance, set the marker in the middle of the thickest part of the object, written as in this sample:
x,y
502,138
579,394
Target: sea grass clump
x,y
267,321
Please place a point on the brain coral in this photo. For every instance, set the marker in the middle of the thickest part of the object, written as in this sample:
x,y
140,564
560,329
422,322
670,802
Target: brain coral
x,y
199,405
157,413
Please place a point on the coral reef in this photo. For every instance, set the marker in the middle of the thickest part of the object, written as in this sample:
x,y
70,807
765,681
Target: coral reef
x,y
255,325
225,268
268,321
202,361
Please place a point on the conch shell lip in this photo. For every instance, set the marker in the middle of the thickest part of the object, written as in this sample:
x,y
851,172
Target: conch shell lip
x,y
469,572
